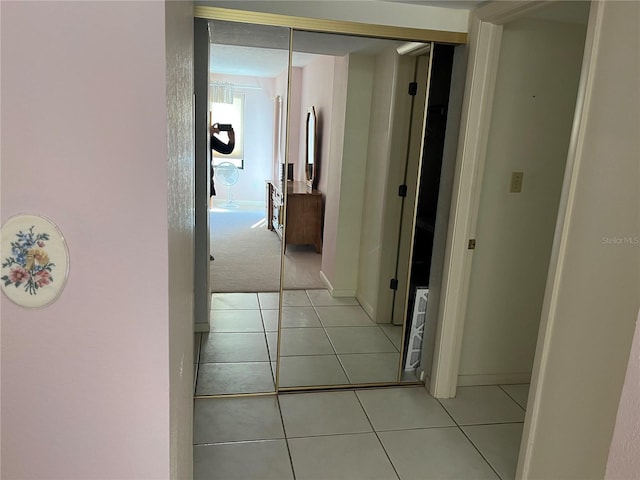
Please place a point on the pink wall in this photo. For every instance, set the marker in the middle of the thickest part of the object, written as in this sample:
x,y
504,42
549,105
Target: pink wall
x,y
624,455
85,382
296,136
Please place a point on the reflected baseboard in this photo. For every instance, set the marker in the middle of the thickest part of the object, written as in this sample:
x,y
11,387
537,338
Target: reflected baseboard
x,y
334,291
367,307
326,282
200,327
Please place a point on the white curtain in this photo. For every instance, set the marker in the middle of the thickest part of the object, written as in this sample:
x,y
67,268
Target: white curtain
x,y
222,92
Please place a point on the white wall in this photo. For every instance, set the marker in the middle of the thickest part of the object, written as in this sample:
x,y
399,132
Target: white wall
x,y
592,298
331,164
281,89
345,169
296,126
375,179
92,385
533,110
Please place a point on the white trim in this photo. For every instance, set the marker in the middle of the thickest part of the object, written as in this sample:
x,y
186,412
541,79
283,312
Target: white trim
x,y
367,307
343,293
500,12
326,282
494,379
482,66
333,291
560,242
474,130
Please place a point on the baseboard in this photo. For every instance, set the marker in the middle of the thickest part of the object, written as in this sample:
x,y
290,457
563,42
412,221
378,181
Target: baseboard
x,y
367,307
326,282
343,293
427,383
200,327
493,379
333,291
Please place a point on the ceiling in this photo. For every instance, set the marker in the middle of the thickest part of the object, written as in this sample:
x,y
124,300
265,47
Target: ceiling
x,y
465,4
262,51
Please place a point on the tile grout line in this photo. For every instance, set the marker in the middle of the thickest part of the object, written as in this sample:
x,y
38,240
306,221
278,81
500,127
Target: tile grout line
x,y
338,326
375,432
389,338
240,362
489,424
514,400
481,454
266,340
195,383
286,438
469,440
236,442
335,352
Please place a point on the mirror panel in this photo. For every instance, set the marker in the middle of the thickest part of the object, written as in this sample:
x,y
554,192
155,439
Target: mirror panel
x,y
249,67
340,331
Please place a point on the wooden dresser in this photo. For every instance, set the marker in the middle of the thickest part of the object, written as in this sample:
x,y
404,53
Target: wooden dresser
x,y
304,214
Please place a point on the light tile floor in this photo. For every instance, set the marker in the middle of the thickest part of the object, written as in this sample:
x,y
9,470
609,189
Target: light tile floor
x,y
384,433
324,341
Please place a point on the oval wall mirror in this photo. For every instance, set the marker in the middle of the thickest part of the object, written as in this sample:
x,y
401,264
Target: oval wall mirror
x,y
311,160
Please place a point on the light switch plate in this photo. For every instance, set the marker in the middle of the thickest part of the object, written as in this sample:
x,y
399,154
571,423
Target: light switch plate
x,y
516,182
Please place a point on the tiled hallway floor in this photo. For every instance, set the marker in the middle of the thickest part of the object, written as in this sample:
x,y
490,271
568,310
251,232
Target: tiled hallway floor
x,y
385,433
324,341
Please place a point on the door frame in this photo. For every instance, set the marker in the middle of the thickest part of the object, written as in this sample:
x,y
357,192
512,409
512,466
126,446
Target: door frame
x,y
202,169
484,51
484,47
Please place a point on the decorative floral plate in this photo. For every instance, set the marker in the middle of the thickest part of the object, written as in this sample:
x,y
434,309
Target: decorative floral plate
x,y
35,261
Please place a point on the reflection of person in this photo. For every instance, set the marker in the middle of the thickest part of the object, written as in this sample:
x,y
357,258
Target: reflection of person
x,y
220,147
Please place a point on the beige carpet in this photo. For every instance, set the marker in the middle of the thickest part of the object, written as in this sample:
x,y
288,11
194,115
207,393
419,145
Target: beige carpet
x,y
247,255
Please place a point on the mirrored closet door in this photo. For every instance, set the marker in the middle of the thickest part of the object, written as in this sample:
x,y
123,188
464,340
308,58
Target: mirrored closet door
x,y
335,147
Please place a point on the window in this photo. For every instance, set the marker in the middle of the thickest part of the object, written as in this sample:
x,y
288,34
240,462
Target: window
x,y
232,113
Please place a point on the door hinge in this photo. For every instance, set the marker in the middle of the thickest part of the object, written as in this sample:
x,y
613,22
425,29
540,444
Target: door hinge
x,y
402,191
393,284
472,244
413,88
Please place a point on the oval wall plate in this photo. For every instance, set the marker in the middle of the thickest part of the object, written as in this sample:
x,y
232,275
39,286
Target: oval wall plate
x,y
35,261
